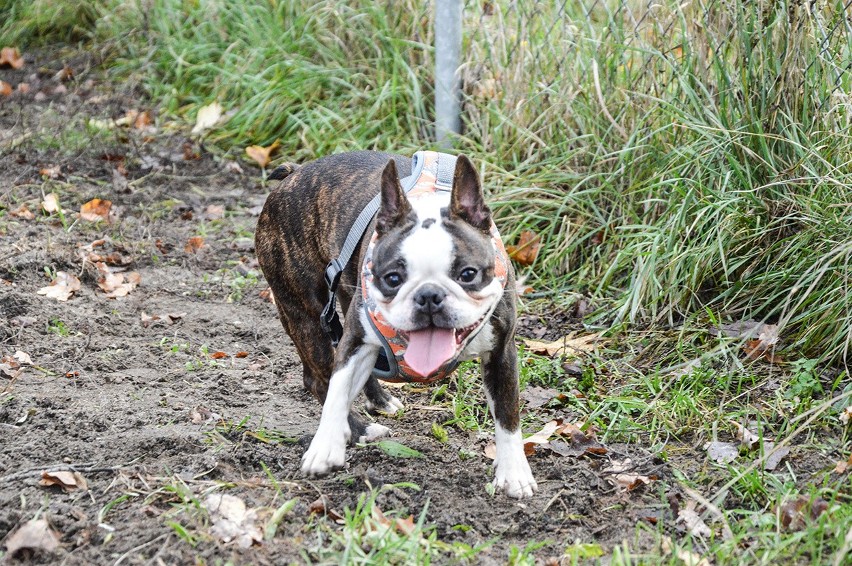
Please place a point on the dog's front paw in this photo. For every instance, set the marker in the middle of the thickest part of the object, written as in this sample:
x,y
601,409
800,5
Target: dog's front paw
x,y
391,407
324,456
514,477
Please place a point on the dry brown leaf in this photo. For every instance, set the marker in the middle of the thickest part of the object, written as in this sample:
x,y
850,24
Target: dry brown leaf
x,y
794,514
262,155
66,73
5,89
630,481
567,345
35,534
218,355
50,204
194,244
267,295
747,438
232,521
322,506
846,416
490,450
168,318
116,284
96,210
775,457
842,466
142,120
241,354
527,248
11,57
66,479
207,117
575,442
62,287
22,212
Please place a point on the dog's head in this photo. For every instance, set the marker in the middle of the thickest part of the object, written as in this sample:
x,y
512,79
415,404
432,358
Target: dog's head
x,y
434,265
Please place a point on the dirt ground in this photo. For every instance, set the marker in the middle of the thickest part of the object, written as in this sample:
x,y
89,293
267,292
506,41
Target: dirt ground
x,y
149,416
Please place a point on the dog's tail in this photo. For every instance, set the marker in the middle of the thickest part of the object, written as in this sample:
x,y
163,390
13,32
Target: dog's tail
x,y
283,171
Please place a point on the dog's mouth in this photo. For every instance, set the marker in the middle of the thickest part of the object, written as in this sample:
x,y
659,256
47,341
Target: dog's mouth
x,y
431,347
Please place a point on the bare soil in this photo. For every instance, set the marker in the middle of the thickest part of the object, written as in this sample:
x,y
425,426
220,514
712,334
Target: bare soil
x,y
147,415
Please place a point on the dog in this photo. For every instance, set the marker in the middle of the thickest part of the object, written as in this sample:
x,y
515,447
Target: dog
x,y
436,288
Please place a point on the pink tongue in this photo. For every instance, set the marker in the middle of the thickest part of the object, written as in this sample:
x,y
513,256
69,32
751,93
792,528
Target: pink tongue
x,y
428,349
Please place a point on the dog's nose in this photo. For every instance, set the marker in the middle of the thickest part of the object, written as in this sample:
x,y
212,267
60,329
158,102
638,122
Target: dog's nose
x,y
429,298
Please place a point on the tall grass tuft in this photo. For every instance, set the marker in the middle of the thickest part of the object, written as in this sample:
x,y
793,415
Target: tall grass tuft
x,y
676,158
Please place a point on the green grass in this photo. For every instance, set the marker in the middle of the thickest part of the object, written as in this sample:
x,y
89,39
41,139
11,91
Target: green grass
x,y
675,160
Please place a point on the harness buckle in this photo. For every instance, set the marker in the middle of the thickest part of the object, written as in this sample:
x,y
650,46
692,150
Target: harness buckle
x,y
330,321
333,272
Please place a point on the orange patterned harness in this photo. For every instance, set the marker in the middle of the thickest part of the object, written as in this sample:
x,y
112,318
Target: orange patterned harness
x,y
394,342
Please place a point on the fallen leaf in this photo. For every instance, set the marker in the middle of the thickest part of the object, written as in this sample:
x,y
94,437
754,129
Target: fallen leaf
x,y
168,318
846,415
5,89
232,522
67,480
22,212
692,521
266,294
199,415
397,450
11,57
50,204
688,558
262,155
96,210
746,437
842,466
241,354
62,287
567,345
543,436
527,248
207,117
322,506
194,244
774,457
66,73
233,167
10,367
116,284
218,355
536,397
23,358
142,120
35,534
214,212
576,442
721,452
630,481
23,88
794,514
52,172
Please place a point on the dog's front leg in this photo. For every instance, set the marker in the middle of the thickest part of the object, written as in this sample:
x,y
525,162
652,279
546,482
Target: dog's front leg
x,y
500,374
328,448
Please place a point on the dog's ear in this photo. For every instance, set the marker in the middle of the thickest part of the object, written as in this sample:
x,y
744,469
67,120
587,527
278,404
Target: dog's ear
x,y
467,202
395,206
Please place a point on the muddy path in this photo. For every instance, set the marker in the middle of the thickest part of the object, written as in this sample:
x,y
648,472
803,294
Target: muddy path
x,y
157,414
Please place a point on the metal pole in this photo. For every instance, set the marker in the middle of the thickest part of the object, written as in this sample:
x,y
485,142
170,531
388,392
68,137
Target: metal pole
x,y
448,42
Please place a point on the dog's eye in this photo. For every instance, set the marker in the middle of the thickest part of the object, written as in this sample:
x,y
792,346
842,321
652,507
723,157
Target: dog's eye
x,y
467,275
393,279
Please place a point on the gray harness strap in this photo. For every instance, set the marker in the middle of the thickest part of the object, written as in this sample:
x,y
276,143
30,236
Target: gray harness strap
x,y
329,319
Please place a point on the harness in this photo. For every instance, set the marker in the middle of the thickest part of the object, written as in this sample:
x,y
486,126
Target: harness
x,y
430,172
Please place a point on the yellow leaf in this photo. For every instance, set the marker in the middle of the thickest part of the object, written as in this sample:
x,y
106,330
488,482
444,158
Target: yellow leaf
x,y
207,117
261,154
